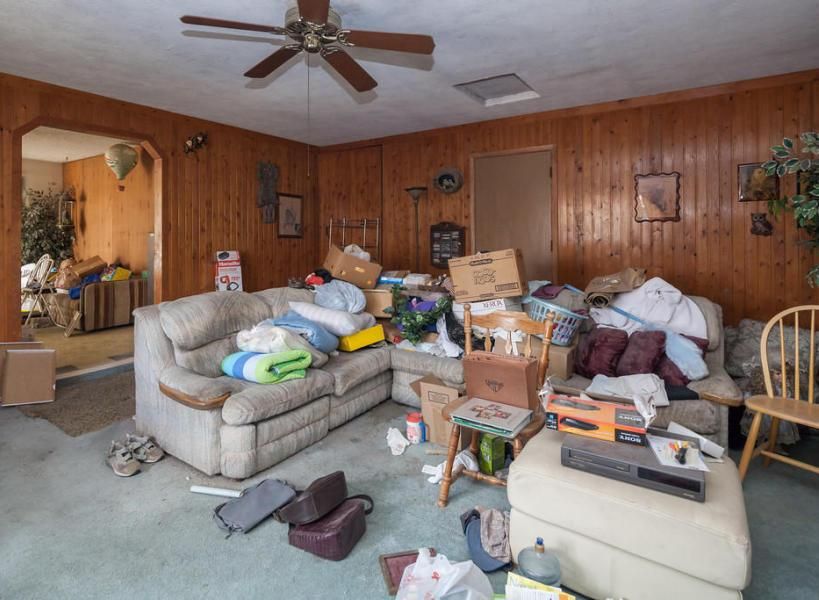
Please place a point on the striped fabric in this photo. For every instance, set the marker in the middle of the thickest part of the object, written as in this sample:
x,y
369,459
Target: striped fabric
x,y
110,303
267,368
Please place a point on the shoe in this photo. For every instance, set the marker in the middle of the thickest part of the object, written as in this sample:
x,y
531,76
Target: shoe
x,y
122,461
144,449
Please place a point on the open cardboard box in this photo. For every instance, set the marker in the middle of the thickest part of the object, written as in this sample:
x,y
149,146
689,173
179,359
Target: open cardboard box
x,y
28,373
435,395
352,269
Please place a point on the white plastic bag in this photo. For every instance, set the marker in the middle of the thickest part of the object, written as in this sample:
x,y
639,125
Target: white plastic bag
x,y
436,577
340,295
357,251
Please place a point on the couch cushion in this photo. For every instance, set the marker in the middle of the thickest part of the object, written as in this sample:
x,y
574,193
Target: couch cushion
x,y
421,363
713,320
256,402
352,368
277,299
197,320
707,540
207,359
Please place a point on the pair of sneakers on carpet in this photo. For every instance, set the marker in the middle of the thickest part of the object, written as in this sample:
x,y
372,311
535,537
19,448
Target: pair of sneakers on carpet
x,y
124,458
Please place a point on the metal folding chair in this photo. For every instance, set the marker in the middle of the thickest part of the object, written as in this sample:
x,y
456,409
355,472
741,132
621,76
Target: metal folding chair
x,y
37,285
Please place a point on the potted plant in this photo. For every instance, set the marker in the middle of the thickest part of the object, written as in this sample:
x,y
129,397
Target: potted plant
x,y
41,232
804,163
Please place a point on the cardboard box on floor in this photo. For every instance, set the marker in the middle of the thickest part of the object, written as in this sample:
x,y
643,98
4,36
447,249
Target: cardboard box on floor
x,y
561,358
377,300
499,274
352,269
28,373
435,395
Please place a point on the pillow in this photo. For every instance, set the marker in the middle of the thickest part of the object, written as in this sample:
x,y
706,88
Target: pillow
x,y
600,351
337,322
643,352
671,373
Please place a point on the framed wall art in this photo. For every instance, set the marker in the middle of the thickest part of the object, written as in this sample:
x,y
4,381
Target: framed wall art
x,y
755,185
290,216
657,197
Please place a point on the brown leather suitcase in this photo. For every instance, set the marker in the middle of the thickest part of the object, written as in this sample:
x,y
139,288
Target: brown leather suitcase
x,y
500,378
335,534
320,497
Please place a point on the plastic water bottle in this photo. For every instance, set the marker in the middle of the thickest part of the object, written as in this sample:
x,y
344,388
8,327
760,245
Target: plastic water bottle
x,y
535,563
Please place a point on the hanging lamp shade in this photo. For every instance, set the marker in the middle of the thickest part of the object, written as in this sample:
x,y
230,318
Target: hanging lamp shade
x,y
121,159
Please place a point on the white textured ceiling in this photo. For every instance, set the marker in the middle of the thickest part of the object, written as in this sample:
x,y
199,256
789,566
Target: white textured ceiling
x,y
572,52
59,145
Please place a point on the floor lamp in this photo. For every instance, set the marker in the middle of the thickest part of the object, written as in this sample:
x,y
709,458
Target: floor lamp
x,y
415,194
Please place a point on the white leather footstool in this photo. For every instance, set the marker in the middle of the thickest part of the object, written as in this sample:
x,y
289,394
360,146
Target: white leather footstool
x,y
618,540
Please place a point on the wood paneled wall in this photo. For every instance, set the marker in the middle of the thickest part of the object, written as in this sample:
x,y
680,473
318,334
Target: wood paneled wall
x,y
209,198
704,134
111,222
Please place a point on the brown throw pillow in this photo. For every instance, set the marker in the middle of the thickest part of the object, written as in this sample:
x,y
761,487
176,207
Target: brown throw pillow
x,y
643,352
669,372
599,352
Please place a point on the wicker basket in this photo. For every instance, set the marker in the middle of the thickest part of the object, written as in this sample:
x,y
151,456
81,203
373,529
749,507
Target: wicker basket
x,y
566,321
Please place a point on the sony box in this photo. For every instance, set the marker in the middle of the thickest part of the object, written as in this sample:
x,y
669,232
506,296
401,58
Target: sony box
x,y
608,421
499,274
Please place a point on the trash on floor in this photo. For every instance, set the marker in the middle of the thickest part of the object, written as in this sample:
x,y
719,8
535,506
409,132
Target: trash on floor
x,y
396,441
437,577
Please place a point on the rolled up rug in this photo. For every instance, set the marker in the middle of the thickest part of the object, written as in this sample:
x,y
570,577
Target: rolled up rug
x,y
267,368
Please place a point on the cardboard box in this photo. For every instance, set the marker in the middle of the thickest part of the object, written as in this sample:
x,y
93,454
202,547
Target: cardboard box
x,y
561,358
89,266
506,379
491,453
228,275
377,301
116,274
499,274
435,395
362,339
486,307
391,278
29,376
609,421
351,269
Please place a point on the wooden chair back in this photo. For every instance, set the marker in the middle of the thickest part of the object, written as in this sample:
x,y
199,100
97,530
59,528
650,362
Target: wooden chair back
x,y
511,321
807,320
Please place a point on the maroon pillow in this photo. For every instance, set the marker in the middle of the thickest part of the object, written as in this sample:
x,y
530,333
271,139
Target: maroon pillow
x,y
599,352
644,350
669,372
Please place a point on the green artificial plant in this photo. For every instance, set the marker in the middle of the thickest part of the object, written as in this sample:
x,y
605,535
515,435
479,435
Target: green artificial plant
x,y
787,160
414,322
41,232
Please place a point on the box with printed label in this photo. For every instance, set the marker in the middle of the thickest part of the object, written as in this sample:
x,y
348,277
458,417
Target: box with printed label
x,y
228,271
435,395
486,307
488,275
609,421
352,269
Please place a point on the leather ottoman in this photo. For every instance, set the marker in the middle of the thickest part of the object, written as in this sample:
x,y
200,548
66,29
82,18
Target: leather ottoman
x,y
618,540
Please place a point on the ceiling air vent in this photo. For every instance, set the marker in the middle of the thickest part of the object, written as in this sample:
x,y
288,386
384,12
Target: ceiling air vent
x,y
501,89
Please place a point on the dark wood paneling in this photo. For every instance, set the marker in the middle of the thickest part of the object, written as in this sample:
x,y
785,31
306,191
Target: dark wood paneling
x,y
704,134
209,198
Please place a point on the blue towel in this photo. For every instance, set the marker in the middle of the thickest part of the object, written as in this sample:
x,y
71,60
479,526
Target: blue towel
x,y
314,333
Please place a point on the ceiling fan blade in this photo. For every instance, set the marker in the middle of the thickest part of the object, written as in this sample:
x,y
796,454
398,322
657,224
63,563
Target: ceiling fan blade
x,y
314,11
349,69
190,20
273,62
399,42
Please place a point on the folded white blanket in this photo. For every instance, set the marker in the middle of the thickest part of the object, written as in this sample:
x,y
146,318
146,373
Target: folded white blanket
x,y
266,338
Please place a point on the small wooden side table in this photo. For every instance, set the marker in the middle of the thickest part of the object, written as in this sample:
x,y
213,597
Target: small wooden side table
x,y
538,419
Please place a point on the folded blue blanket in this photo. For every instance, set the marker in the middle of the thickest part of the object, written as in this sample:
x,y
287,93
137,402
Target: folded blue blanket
x,y
314,333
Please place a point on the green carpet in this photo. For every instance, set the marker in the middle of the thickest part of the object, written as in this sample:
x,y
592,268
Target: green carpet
x,y
71,529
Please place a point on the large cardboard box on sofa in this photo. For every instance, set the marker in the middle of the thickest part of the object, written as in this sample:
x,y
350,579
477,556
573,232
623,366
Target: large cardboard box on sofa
x,y
506,379
352,269
435,395
499,274
28,373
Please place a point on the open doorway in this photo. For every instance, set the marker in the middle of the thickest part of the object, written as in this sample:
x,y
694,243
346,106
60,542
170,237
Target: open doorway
x,y
513,206
87,242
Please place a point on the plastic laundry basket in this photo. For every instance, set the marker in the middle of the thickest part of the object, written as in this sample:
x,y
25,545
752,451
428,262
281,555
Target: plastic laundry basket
x,y
566,321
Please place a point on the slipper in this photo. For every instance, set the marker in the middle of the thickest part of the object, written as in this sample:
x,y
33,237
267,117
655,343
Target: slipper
x,y
144,449
122,461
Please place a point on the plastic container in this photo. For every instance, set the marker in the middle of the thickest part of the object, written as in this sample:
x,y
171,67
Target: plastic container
x,y
415,428
566,321
536,563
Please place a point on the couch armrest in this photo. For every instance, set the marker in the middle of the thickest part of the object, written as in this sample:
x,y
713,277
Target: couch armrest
x,y
194,390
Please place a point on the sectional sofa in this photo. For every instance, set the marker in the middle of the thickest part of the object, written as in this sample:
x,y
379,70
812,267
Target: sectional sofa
x,y
223,425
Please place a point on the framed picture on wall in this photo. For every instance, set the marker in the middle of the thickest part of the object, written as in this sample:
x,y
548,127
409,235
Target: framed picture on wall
x,y
657,197
290,216
755,185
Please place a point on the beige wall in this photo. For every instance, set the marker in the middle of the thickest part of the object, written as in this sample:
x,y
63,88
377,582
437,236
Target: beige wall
x,y
41,175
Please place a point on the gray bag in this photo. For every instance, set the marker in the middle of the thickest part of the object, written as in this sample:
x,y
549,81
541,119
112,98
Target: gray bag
x,y
253,506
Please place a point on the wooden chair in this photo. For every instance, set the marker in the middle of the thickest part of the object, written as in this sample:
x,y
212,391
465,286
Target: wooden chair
x,y
787,407
510,321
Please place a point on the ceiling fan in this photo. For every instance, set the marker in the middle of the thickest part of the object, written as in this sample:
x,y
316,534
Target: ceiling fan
x,y
316,29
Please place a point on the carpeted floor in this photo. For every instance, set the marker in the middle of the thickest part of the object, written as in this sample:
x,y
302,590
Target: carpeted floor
x,y
88,404
70,529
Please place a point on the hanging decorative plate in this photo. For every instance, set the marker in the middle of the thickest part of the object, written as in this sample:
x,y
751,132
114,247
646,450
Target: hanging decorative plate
x,y
449,180
121,159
